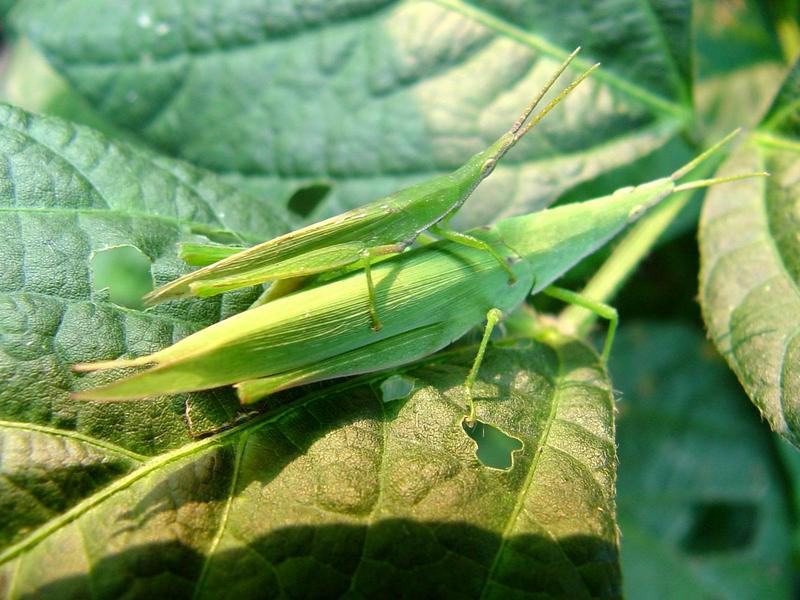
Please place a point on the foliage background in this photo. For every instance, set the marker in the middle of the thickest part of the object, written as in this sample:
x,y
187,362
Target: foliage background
x,y
329,106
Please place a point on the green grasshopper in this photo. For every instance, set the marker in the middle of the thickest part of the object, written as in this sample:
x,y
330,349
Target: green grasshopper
x,y
430,296
383,227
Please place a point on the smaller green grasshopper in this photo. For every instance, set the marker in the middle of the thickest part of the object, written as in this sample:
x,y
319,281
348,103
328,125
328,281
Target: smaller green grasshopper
x,y
357,237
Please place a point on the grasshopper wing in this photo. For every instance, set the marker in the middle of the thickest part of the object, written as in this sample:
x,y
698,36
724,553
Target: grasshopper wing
x,y
309,263
363,225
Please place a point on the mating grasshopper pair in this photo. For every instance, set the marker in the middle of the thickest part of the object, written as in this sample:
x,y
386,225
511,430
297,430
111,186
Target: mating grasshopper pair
x,y
415,304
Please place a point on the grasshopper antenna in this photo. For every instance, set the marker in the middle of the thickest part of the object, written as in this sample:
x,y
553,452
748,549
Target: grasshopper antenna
x,y
534,103
518,130
521,127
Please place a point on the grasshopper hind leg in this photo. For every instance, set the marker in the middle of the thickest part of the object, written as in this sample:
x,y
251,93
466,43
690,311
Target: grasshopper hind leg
x,y
599,308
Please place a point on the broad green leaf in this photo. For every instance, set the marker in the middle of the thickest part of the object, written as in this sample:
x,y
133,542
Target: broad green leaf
x,y
344,491
69,199
751,265
702,508
105,499
369,96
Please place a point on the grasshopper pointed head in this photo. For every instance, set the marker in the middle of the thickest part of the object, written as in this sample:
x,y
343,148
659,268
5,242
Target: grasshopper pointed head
x,y
494,153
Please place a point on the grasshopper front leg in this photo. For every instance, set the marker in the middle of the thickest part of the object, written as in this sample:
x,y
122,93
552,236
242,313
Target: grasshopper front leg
x,y
473,242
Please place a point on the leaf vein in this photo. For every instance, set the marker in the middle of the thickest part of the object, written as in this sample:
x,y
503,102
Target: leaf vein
x,y
75,435
519,504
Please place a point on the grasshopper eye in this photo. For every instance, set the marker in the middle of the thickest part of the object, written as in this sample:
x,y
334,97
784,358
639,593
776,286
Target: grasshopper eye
x,y
488,167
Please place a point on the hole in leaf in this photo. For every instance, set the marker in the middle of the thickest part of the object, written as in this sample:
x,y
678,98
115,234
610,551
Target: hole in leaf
x,y
721,527
494,447
123,273
397,387
306,199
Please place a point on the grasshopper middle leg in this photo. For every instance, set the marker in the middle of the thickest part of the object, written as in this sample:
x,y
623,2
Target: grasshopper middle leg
x,y
367,256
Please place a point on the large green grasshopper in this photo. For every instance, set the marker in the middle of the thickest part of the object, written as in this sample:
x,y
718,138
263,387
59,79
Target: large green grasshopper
x,y
429,296
383,227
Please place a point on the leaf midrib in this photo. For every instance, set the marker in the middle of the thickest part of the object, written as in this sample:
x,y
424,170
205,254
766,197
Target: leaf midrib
x,y
529,479
223,522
